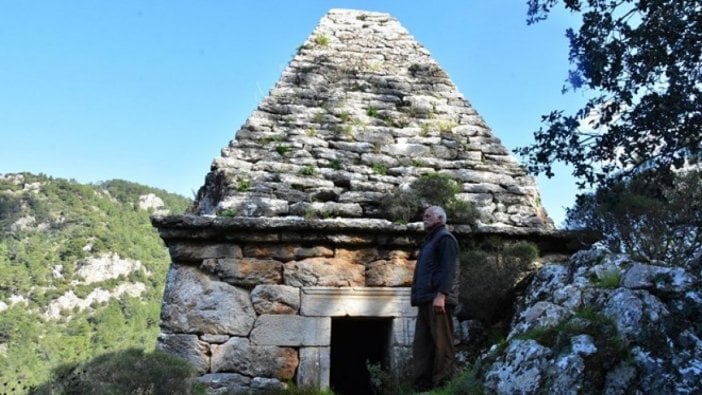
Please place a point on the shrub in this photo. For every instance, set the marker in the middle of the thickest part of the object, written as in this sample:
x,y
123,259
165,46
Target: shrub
x,y
489,275
428,190
125,372
401,206
436,189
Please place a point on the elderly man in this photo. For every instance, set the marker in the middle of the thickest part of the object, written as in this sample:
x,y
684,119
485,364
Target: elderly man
x,y
435,293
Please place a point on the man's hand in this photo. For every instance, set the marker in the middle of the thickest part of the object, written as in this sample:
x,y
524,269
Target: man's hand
x,y
439,303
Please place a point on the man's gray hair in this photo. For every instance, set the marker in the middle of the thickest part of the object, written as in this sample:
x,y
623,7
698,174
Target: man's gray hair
x,y
440,212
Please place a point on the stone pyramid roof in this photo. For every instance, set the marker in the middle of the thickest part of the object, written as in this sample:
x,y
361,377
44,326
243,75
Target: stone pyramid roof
x,y
361,110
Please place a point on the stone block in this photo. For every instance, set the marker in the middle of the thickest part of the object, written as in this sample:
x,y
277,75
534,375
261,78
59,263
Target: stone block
x,y
312,252
265,384
323,272
275,299
215,339
360,256
225,383
314,369
238,355
291,330
245,272
356,302
403,331
400,360
191,252
193,303
392,273
187,347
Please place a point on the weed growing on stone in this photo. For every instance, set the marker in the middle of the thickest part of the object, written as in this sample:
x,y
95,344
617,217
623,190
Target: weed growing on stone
x,y
228,212
321,40
446,126
372,112
335,164
425,129
282,149
308,171
244,185
379,168
345,116
318,117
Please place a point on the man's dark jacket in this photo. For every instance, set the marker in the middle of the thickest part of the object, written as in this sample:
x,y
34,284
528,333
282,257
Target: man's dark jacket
x,y
437,268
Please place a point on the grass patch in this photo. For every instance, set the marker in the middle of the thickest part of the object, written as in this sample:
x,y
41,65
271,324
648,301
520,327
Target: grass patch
x,y
609,279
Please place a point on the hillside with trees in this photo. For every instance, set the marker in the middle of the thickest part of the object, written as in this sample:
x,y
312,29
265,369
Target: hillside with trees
x,y
82,270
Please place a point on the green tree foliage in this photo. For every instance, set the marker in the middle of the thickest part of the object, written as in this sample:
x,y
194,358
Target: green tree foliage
x,y
641,63
51,225
654,221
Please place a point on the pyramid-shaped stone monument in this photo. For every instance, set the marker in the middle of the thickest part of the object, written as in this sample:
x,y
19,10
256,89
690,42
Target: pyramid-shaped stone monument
x,y
286,258
361,111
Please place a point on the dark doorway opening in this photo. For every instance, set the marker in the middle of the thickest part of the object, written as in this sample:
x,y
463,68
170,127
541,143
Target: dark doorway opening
x,y
356,341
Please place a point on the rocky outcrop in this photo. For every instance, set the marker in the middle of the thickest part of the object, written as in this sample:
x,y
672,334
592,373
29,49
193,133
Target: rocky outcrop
x,y
603,323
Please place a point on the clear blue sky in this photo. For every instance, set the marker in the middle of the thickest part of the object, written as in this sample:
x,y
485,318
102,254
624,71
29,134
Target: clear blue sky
x,y
150,91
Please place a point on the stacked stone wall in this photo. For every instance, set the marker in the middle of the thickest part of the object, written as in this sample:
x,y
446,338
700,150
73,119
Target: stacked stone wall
x,y
249,301
252,308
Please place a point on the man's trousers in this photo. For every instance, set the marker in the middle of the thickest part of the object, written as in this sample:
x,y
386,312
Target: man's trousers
x,y
432,350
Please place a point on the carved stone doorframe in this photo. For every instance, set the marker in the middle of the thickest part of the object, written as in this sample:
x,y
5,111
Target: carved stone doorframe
x,y
328,302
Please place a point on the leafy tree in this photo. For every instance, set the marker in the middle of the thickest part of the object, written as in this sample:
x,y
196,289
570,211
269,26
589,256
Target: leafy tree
x,y
642,63
654,222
